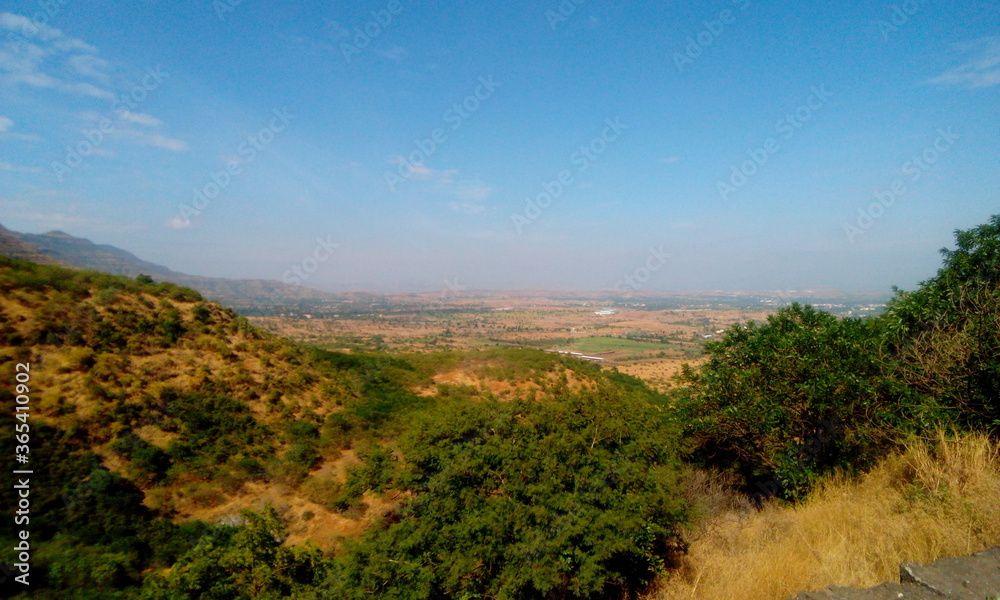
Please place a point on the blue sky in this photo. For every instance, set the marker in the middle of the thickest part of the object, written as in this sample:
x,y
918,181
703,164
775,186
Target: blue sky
x,y
734,145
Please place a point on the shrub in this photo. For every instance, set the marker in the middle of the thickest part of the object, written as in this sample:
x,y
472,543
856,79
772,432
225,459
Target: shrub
x,y
80,359
796,397
201,313
572,498
106,297
245,562
947,332
150,462
304,454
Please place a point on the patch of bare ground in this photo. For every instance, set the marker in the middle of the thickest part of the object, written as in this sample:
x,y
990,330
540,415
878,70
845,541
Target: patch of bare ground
x,y
305,519
658,372
503,389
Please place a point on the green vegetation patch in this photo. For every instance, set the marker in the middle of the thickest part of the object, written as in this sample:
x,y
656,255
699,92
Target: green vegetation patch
x,y
594,345
576,497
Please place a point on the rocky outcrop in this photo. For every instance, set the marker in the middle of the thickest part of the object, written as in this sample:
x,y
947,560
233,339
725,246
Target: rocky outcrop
x,y
975,577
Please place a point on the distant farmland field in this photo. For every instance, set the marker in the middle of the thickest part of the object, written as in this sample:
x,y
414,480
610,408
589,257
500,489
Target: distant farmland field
x,y
591,345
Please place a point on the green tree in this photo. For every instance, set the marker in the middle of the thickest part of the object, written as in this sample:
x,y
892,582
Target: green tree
x,y
947,332
796,397
575,497
244,563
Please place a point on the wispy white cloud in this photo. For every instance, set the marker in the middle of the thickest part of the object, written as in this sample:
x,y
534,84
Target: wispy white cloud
x,y
7,124
88,65
980,69
153,140
71,221
41,56
418,171
167,143
472,191
470,194
396,53
141,119
179,223
134,127
25,27
670,159
16,169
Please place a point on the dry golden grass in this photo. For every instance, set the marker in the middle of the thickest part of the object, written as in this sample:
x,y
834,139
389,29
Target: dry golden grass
x,y
658,373
472,375
937,498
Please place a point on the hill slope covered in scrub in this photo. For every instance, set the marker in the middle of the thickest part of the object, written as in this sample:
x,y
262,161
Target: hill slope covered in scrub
x,y
153,409
182,453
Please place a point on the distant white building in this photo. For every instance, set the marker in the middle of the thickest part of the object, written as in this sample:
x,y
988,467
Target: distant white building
x,y
605,312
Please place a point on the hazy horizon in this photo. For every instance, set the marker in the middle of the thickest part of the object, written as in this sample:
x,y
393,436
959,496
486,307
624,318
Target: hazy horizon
x,y
722,147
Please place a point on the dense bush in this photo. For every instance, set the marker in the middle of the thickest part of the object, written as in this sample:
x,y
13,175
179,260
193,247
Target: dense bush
x,y
789,400
149,462
242,563
373,388
570,498
947,332
212,428
92,538
798,396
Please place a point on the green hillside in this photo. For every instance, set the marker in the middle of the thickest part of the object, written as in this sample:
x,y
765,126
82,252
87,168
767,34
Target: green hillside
x,y
152,409
180,453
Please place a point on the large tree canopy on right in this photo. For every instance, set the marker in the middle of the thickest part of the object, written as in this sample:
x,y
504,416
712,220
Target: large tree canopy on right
x,y
804,393
947,332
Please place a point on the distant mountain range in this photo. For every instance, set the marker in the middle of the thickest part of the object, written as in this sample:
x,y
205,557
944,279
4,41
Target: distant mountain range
x,y
60,248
